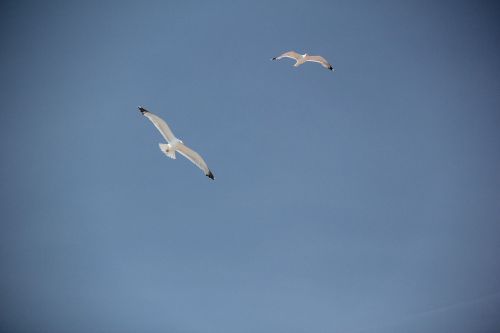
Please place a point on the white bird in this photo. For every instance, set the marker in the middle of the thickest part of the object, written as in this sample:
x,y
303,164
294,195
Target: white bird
x,y
302,58
175,144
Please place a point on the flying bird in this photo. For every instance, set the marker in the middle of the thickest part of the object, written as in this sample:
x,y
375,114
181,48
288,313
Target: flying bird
x,y
302,58
174,144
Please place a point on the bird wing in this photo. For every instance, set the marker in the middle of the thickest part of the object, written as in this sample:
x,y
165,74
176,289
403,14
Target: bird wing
x,y
195,158
160,124
290,54
320,60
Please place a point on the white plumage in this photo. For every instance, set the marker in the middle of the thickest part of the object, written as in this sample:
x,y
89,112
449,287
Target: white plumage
x,y
174,144
302,58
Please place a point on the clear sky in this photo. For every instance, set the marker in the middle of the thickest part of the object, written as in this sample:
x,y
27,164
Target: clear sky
x,y
363,200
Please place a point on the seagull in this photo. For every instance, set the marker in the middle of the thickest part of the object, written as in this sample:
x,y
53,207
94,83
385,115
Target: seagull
x,y
302,58
175,144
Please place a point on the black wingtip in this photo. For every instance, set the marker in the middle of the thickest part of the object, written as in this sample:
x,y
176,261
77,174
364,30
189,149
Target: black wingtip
x,y
210,175
330,68
273,58
142,110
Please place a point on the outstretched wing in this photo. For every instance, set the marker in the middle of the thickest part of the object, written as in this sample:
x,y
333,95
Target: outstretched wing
x,y
290,54
159,123
195,158
321,60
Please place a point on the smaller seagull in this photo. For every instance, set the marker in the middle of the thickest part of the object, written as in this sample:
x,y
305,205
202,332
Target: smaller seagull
x,y
302,58
175,144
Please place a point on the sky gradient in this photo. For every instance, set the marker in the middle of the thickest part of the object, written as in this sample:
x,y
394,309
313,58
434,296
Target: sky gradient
x,y
363,200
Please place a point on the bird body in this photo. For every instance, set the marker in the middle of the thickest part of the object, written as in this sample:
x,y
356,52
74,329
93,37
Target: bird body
x,y
174,144
303,58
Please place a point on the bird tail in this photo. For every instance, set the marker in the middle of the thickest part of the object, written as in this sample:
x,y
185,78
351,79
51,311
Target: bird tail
x,y
167,150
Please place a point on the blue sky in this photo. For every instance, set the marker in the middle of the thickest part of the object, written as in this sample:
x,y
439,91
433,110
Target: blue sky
x,y
364,200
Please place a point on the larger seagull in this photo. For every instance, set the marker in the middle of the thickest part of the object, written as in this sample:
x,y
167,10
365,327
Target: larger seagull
x,y
302,58
174,144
